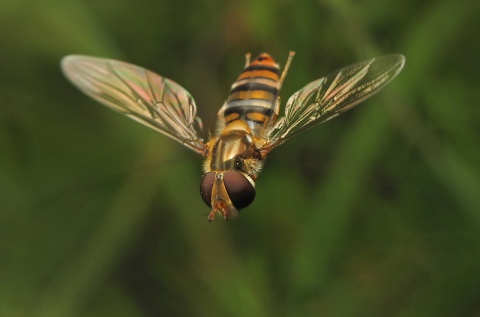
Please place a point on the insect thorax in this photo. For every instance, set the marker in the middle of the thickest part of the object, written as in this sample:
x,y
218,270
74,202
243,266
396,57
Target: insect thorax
x,y
234,149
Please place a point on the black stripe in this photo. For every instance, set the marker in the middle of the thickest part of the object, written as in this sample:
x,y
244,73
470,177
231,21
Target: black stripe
x,y
246,99
255,86
261,67
244,110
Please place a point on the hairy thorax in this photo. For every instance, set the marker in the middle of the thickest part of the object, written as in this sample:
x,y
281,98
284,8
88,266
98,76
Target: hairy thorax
x,y
234,149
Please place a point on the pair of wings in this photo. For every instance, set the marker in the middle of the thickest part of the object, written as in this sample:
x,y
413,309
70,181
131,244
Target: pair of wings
x,y
166,107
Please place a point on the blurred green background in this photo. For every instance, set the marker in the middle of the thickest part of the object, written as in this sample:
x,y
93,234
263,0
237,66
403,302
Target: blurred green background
x,y
375,213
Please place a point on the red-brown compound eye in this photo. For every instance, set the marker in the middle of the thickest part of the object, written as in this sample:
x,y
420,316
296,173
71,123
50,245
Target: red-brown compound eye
x,y
206,188
239,189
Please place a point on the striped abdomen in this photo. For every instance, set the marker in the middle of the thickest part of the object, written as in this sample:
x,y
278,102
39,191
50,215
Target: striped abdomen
x,y
253,97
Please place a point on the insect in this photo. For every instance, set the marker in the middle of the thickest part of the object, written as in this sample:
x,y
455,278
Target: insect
x,y
249,124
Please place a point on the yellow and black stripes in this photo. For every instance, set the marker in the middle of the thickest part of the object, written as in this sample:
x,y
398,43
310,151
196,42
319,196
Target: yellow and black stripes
x,y
254,95
252,90
256,114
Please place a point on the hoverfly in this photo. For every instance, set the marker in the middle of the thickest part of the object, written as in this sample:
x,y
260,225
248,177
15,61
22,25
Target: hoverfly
x,y
248,125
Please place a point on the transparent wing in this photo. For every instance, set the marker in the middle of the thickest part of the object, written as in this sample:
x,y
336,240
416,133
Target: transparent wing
x,y
327,97
155,101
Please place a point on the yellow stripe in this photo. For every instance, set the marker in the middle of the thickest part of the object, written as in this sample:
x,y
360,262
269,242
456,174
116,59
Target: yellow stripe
x,y
258,73
232,116
258,80
251,94
256,116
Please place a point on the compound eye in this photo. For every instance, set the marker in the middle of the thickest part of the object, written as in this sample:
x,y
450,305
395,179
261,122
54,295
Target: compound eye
x,y
239,189
206,188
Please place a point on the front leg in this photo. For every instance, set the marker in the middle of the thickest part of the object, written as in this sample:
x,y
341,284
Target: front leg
x,y
247,59
221,207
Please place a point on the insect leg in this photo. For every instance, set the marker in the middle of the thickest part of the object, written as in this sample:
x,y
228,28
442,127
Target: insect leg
x,y
247,59
285,69
211,215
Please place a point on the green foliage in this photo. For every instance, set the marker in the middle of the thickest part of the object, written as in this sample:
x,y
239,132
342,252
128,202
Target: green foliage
x,y
376,213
